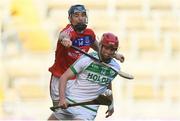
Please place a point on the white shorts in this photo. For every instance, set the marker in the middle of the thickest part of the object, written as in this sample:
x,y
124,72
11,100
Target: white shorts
x,y
72,113
77,113
54,89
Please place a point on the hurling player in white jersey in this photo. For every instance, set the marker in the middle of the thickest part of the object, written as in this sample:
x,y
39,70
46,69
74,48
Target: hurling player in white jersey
x,y
92,79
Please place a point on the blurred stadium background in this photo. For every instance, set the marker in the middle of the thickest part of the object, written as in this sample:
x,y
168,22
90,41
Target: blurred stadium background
x,y
149,34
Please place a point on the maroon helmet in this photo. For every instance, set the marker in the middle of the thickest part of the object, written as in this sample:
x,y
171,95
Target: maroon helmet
x,y
109,40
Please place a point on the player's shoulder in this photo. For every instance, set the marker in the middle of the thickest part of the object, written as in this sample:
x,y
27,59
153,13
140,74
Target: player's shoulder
x,y
114,64
67,29
89,30
85,58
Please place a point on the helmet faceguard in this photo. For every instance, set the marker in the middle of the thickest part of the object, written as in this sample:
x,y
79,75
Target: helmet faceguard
x,y
74,9
108,40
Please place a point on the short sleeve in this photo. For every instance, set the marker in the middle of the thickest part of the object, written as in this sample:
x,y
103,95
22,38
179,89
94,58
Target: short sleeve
x,y
80,64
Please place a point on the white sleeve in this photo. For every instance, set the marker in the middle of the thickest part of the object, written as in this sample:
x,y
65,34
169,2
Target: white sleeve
x,y
80,64
115,65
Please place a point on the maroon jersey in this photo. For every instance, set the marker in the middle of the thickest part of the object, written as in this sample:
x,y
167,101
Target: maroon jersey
x,y
64,57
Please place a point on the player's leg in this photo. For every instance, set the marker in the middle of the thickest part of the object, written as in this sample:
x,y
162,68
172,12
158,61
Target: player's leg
x,y
54,93
85,112
54,90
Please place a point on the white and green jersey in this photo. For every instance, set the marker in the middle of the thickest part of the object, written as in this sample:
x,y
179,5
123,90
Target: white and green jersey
x,y
92,78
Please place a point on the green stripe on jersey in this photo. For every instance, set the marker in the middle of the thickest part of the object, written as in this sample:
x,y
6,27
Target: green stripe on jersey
x,y
73,70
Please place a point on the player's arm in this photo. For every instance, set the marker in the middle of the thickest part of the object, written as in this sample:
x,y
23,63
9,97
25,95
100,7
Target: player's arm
x,y
110,110
62,87
119,57
64,39
73,70
95,45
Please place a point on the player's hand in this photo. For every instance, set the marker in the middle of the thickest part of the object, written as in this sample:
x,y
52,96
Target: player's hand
x,y
66,42
63,104
109,112
120,57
